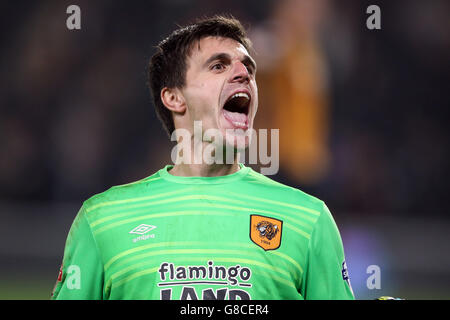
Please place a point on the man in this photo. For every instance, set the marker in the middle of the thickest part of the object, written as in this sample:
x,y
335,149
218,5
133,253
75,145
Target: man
x,y
204,230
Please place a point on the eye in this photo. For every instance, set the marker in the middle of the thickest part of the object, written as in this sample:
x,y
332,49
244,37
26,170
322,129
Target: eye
x,y
218,66
250,69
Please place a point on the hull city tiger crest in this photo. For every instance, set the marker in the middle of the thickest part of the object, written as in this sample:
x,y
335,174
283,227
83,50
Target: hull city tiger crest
x,y
265,232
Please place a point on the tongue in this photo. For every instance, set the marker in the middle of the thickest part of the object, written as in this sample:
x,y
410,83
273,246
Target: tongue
x,y
236,118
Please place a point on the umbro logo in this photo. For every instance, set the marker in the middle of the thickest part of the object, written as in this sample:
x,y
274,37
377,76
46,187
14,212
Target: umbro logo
x,y
142,229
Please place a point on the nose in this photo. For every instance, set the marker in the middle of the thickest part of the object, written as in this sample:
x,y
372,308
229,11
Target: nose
x,y
240,73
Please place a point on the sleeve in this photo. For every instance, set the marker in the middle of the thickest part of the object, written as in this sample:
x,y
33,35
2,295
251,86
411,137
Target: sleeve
x,y
326,276
82,273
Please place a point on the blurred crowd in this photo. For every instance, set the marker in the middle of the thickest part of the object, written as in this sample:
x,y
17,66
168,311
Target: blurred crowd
x,y
362,113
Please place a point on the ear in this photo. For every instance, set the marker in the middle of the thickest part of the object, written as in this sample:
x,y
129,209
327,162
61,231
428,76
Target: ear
x,y
173,99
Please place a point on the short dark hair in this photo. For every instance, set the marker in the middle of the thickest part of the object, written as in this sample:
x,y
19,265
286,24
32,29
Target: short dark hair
x,y
168,66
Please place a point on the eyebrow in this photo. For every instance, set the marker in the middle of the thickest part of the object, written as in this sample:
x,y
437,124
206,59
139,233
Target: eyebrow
x,y
225,56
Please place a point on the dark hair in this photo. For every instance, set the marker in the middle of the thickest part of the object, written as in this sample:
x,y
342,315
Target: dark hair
x,y
167,67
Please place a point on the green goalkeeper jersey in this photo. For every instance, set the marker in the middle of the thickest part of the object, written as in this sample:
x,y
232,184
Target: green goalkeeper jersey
x,y
235,237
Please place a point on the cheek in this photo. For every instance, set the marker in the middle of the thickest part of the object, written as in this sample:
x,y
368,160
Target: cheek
x,y
202,102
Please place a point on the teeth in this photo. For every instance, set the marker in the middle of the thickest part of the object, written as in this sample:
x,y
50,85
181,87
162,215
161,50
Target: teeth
x,y
241,94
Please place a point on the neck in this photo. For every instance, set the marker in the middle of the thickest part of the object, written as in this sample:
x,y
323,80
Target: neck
x,y
204,170
194,159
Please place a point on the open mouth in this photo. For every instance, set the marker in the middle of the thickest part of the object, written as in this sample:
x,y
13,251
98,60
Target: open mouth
x,y
236,110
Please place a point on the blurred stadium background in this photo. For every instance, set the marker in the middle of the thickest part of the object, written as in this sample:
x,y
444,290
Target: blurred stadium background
x,y
363,119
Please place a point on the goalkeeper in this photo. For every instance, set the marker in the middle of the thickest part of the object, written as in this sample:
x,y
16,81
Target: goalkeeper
x,y
202,230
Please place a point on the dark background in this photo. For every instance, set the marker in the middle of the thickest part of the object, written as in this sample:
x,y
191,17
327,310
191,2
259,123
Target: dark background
x,y
76,117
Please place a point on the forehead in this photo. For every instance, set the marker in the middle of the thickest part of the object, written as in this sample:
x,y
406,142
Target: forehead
x,y
205,47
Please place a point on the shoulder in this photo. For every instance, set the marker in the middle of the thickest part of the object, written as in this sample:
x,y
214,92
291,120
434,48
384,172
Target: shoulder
x,y
290,195
119,195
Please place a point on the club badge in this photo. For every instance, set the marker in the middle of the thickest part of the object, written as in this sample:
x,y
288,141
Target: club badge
x,y
266,232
